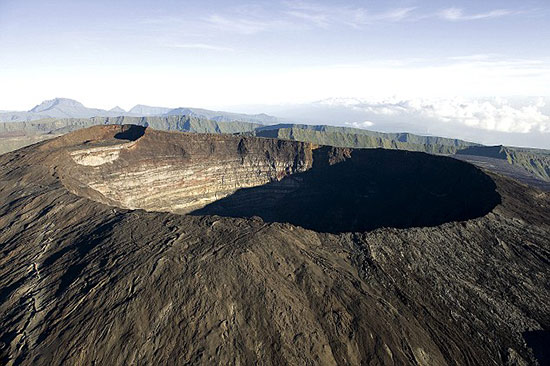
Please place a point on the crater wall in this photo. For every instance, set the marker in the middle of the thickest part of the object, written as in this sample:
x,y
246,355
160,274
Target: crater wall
x,y
322,188
179,172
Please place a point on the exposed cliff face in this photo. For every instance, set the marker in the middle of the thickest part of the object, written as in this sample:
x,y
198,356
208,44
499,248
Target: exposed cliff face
x,y
179,172
85,283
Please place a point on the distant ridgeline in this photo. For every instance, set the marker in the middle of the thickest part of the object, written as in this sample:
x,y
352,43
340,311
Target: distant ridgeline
x,y
358,138
534,161
169,123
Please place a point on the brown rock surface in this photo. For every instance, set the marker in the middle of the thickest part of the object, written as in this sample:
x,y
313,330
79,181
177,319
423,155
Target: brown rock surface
x,y
83,282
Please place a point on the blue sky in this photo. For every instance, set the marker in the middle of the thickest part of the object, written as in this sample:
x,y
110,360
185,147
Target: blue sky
x,y
219,54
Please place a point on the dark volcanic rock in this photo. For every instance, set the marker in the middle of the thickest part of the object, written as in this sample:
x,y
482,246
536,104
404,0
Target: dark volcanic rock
x,y
82,282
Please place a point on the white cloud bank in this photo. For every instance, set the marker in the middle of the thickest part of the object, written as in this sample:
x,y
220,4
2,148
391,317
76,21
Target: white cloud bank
x,y
364,124
495,114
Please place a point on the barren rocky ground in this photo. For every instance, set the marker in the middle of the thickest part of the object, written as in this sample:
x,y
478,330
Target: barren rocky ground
x,y
89,276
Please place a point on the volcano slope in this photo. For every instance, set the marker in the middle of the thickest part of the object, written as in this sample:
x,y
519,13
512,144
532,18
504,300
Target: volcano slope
x,y
125,245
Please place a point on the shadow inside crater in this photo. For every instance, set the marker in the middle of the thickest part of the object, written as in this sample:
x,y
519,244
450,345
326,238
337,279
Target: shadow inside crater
x,y
539,342
130,132
371,189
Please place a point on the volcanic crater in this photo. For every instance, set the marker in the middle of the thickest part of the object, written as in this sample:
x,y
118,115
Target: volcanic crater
x,y
115,251
326,189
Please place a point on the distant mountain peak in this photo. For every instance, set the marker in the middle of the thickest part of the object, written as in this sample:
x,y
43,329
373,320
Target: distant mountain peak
x,y
117,109
137,106
70,108
49,104
145,110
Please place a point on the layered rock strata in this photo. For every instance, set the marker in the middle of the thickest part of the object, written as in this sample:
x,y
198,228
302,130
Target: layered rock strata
x,y
178,172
